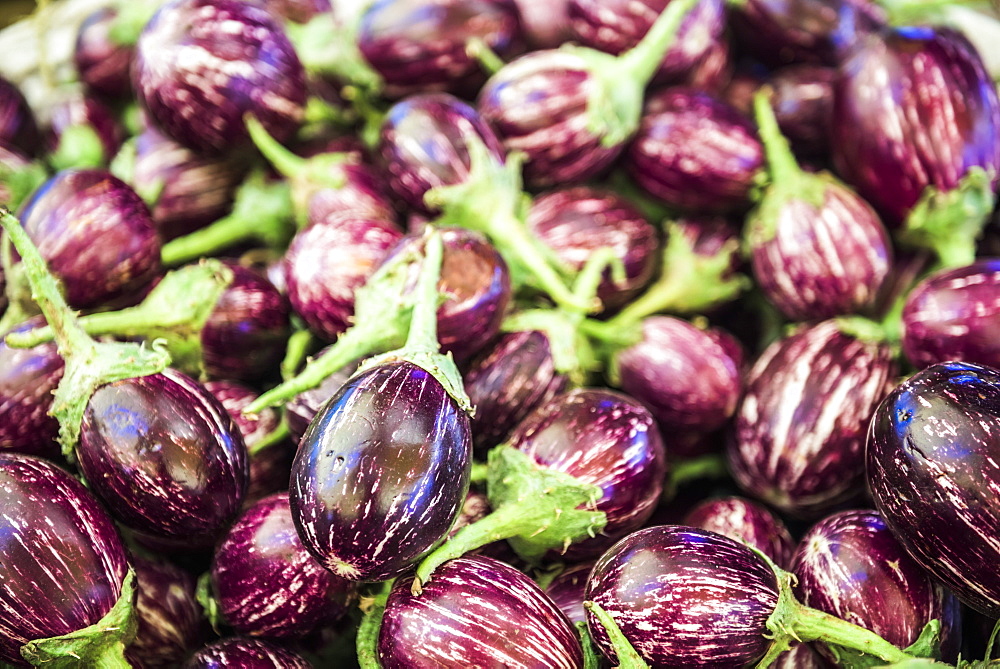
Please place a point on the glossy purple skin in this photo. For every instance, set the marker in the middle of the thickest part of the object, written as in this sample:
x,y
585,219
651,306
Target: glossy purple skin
x,y
327,261
201,65
164,456
245,653
798,441
823,260
802,99
362,195
695,152
63,561
301,409
509,381
28,376
954,315
931,87
746,521
421,45
468,606
684,597
602,438
96,235
423,144
171,621
850,566
616,26
932,457
102,64
18,128
567,591
576,222
381,473
537,105
267,583
88,111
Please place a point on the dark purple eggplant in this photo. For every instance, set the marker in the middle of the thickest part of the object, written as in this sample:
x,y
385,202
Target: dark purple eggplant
x,y
265,581
301,409
101,61
83,133
576,222
932,457
64,567
802,98
18,128
96,235
202,65
245,653
567,591
851,566
798,441
381,473
440,627
423,45
171,622
953,315
746,521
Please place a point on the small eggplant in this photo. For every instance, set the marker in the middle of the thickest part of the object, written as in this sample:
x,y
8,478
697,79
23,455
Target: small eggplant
x,y
171,622
18,128
245,653
27,379
745,521
101,61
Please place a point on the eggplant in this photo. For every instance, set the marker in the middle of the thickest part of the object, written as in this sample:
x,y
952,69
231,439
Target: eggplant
x,y
245,653
801,656
802,98
64,567
202,65
102,61
363,193
746,521
545,25
301,409
798,439
18,128
931,458
850,565
567,591
83,133
27,379
438,628
171,622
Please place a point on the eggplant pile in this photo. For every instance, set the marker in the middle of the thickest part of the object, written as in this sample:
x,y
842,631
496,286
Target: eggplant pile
x,y
466,334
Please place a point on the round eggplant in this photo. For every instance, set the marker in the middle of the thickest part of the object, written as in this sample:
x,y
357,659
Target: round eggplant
x,y
102,63
246,654
745,521
171,622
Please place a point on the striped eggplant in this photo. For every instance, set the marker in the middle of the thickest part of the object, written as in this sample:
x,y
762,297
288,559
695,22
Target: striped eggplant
x,y
381,473
802,98
265,581
245,653
364,193
953,315
567,591
101,61
851,566
798,441
933,449
83,132
63,563
801,656
18,128
746,521
171,621
202,65
477,612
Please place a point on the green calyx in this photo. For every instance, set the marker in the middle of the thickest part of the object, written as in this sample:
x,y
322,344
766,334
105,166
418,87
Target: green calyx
x,y
626,654
80,147
19,184
373,608
130,19
329,48
101,646
927,648
204,594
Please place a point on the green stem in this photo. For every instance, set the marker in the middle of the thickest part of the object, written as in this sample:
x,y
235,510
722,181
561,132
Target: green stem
x,y
80,147
641,62
711,467
626,654
371,624
591,655
487,57
480,471
283,160
298,347
814,625
781,161
275,436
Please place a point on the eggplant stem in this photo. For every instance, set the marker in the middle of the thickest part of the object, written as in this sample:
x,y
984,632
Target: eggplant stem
x,y
781,161
371,624
642,61
275,436
486,57
283,160
628,657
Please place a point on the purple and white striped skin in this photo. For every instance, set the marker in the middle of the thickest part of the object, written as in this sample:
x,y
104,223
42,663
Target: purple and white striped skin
x,y
800,656
63,562
18,128
419,46
929,85
746,521
96,236
802,99
381,473
850,566
567,591
102,64
91,112
799,436
933,449
684,597
164,456
507,382
266,582
476,612
424,144
245,653
171,623
301,409
575,222
27,378
327,261
363,195
201,65
954,315
695,152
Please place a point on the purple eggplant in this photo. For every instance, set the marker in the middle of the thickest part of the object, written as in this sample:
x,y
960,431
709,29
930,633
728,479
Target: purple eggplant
x,y
695,152
18,128
27,379
381,473
567,591
423,45
932,461
96,235
63,566
545,25
745,521
266,583
575,222
800,656
441,628
301,409
202,65
798,441
83,133
245,653
851,566
802,98
363,193
171,622
953,315
101,61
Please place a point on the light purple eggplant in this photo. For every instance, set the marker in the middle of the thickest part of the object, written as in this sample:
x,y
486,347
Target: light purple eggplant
x,y
171,622
476,612
567,591
103,63
18,128
245,653
746,521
